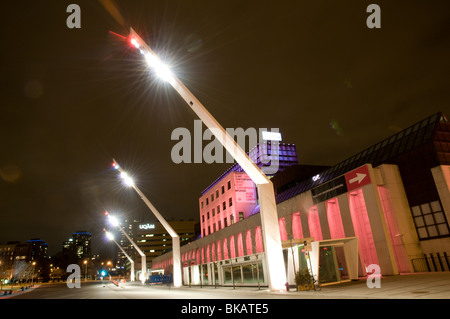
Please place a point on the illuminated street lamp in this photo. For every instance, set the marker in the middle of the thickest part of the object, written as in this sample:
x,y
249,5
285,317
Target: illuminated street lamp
x,y
111,237
176,254
268,209
114,222
32,275
85,269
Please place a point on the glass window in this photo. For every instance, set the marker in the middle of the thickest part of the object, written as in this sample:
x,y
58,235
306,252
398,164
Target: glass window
x,y
230,202
223,189
435,206
419,221
430,220
425,208
229,184
227,275
432,231
439,217
237,277
443,229
217,193
416,211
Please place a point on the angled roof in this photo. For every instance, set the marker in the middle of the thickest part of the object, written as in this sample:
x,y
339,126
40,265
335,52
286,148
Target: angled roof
x,y
383,152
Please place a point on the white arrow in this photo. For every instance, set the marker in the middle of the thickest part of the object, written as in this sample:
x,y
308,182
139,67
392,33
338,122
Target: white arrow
x,y
359,177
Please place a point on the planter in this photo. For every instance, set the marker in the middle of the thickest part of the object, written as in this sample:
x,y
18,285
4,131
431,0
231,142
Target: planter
x,y
305,287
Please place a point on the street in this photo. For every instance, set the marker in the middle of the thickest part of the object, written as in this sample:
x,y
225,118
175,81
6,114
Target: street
x,y
411,286
403,292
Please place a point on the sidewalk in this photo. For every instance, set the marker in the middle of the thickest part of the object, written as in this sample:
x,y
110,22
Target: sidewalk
x,y
408,286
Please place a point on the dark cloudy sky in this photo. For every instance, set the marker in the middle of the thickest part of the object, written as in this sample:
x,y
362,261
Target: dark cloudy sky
x,y
72,99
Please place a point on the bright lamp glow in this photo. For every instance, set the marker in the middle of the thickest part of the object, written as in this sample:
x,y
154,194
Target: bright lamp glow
x,y
161,69
127,179
110,236
135,43
113,220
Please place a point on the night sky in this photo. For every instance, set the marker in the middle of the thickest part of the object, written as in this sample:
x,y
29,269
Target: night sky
x,y
72,99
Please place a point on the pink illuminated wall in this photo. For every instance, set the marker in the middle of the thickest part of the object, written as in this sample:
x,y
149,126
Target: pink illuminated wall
x,y
282,226
213,252
258,240
208,254
199,261
240,245
314,224
297,230
363,231
334,219
225,249
211,203
232,248
248,242
219,251
401,256
203,255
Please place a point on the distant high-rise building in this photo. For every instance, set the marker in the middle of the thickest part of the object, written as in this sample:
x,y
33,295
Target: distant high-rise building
x,y
79,244
38,249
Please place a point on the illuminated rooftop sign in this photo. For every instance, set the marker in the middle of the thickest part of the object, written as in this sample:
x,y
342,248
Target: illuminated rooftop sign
x,y
147,226
271,136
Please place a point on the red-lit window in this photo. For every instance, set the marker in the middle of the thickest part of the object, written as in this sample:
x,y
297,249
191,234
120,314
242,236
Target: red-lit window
x,y
282,225
232,247
362,228
240,245
258,240
213,252
219,250
334,219
297,231
225,249
314,224
248,242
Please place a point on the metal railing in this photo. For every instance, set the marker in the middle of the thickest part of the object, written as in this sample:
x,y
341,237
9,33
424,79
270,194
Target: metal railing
x,y
432,263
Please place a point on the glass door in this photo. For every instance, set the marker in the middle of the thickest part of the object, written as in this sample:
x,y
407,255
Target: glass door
x,y
328,270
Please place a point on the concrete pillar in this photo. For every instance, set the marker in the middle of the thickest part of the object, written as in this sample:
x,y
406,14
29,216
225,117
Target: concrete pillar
x,y
321,210
391,180
346,217
378,226
441,176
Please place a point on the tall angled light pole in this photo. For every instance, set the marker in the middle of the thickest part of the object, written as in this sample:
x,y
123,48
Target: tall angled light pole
x,y
114,222
268,209
176,251
111,237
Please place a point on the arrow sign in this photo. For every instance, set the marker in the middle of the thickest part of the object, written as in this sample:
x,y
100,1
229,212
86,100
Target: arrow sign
x,y
357,178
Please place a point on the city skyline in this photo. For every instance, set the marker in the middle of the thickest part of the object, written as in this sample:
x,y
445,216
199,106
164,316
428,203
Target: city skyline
x,y
76,98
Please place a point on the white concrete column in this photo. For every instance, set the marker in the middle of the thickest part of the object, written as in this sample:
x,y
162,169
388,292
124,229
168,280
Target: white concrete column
x,y
271,237
378,226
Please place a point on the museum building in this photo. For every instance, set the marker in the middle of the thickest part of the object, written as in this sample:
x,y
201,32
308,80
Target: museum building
x,y
386,208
